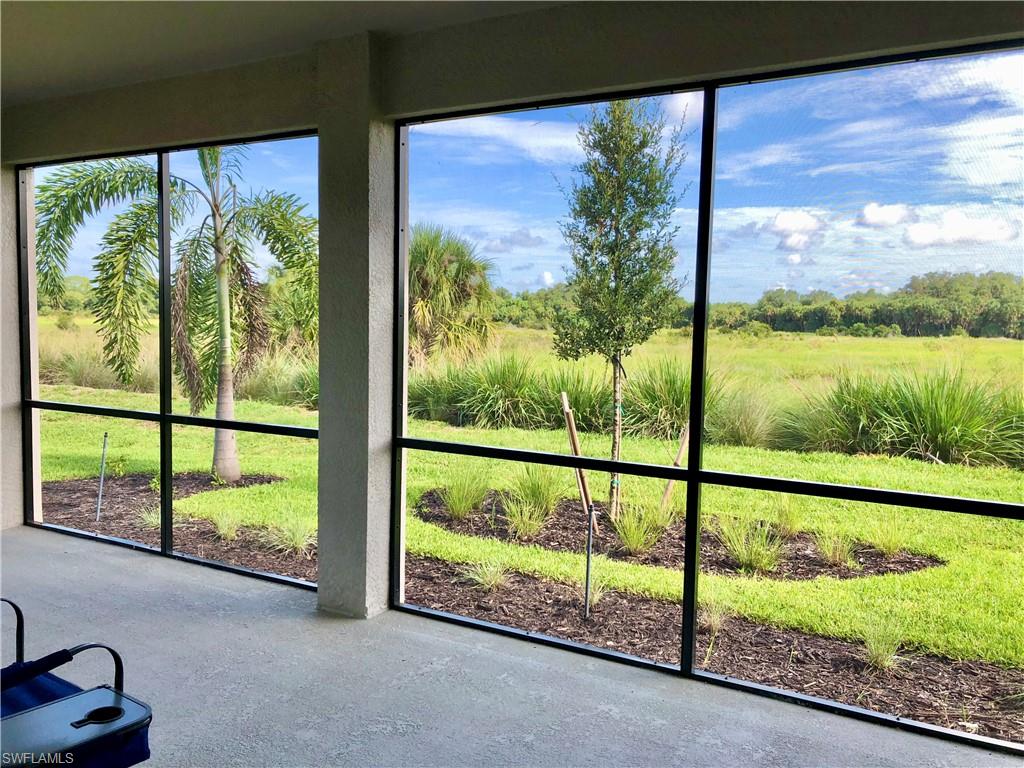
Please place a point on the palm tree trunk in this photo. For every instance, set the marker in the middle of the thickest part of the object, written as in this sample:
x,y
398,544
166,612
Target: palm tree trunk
x,y
225,450
613,491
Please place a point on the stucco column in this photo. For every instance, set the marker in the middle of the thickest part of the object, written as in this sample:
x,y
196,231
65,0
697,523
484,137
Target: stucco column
x,y
356,310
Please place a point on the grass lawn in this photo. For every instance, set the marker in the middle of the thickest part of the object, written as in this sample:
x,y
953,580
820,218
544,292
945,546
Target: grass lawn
x,y
969,608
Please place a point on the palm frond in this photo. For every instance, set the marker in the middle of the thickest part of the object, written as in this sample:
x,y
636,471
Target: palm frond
x,y
71,194
251,331
125,273
194,317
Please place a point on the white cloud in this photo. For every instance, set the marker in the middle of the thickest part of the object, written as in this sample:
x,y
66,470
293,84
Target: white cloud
x,y
547,278
793,258
796,229
739,166
986,152
956,228
877,215
543,141
997,78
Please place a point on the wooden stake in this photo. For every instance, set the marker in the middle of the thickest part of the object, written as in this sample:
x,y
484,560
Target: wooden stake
x,y
684,441
574,445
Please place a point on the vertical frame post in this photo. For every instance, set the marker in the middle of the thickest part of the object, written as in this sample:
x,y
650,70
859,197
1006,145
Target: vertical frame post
x,y
698,366
166,370
28,352
400,333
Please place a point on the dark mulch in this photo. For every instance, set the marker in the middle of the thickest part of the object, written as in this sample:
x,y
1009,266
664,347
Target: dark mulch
x,y
566,530
72,503
966,695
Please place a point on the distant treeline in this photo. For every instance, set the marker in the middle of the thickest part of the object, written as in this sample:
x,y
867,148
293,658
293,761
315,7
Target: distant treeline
x,y
935,304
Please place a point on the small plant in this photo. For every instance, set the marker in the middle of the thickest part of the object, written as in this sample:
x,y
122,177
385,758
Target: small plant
x,y
751,543
882,641
640,525
293,535
117,466
65,321
886,534
711,615
154,483
598,589
524,518
836,548
787,517
540,486
486,576
465,493
227,526
149,518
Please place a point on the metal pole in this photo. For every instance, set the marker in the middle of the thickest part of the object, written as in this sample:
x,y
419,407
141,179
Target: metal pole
x,y
590,550
103,469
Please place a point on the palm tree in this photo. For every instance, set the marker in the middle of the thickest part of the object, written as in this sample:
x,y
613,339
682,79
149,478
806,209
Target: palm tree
x,y
218,313
450,295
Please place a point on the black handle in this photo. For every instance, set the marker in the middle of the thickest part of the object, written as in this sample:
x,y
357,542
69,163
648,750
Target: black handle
x,y
19,630
26,672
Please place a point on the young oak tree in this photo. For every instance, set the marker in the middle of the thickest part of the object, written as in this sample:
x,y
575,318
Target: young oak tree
x,y
619,234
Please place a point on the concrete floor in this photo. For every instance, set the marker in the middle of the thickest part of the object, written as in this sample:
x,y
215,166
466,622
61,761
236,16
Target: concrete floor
x,y
242,672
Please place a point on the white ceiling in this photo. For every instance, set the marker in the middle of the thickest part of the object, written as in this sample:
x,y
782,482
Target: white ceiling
x,y
50,49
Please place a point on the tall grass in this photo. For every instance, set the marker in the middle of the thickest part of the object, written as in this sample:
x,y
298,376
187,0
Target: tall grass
x,y
744,418
657,399
502,392
941,416
751,543
589,397
284,377
464,493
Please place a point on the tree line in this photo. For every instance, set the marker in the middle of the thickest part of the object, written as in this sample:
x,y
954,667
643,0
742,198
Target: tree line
x,y
934,304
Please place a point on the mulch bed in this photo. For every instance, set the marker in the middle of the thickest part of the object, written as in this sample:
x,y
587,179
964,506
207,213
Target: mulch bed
x,y
965,695
566,530
72,503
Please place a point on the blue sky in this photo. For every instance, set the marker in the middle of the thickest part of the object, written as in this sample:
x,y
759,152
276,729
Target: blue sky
x,y
842,182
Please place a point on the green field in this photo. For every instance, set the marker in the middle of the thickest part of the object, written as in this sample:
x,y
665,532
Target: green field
x,y
968,608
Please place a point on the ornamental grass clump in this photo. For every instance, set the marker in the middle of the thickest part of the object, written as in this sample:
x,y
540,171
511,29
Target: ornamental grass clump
x,y
886,534
540,486
292,535
502,393
751,543
787,517
487,576
657,400
744,418
941,417
882,640
226,525
465,493
524,518
641,523
149,518
589,397
836,548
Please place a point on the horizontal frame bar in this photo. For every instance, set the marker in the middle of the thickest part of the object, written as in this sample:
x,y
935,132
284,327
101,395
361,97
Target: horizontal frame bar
x,y
286,430
302,133
140,547
683,86
955,504
780,694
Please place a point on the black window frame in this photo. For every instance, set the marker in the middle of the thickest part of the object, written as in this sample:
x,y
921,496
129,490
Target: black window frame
x,y
693,473
165,417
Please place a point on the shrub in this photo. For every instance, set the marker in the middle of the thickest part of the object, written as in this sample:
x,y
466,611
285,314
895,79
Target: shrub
x,y
524,519
116,466
464,493
940,416
65,321
486,576
787,517
589,397
502,392
836,548
227,525
755,328
540,486
292,535
657,400
882,640
886,535
744,418
86,368
149,518
436,395
285,378
636,529
751,543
